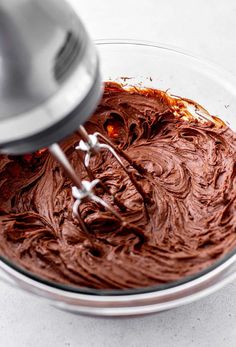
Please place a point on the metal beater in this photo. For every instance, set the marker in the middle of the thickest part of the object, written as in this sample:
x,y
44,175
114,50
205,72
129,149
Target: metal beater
x,y
83,189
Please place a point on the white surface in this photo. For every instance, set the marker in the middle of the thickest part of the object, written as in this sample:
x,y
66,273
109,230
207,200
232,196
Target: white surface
x,y
207,27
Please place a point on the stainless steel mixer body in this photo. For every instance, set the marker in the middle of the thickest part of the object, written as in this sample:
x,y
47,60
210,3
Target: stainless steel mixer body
x,y
50,81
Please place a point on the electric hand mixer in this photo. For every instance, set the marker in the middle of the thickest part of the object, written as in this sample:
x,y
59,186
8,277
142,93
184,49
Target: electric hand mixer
x,y
49,85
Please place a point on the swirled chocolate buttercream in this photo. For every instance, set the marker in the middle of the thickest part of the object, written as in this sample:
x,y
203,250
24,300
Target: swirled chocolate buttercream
x,y
187,223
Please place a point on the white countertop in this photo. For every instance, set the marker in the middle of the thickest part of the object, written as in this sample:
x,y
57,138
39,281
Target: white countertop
x,y
208,28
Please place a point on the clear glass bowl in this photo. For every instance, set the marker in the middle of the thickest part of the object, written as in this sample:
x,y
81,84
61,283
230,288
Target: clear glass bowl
x,y
162,67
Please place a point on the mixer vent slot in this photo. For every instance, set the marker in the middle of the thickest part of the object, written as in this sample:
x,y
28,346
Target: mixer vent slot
x,y
66,56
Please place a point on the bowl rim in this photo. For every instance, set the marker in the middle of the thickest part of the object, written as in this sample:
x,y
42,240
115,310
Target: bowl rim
x,y
218,266
172,48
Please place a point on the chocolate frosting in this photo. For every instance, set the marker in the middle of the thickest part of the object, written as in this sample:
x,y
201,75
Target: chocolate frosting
x,y
187,222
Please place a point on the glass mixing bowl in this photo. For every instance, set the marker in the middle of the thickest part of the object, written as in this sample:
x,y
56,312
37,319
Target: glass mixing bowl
x,y
167,68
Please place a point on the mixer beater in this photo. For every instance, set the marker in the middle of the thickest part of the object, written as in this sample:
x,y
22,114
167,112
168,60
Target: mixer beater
x,y
83,190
